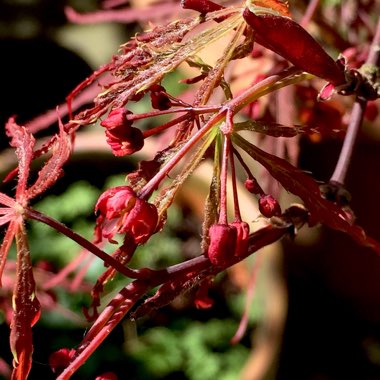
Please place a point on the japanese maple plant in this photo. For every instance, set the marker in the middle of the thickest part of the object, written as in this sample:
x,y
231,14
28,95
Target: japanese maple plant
x,y
213,121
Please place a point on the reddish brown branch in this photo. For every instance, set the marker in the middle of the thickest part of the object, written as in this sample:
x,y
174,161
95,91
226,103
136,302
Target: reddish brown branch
x,y
358,109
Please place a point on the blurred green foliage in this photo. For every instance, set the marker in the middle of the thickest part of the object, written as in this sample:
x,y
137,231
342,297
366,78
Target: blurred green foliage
x,y
200,350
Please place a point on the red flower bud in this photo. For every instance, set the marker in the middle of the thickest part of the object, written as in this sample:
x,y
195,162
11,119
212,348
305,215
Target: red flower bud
x,y
106,376
131,142
121,136
204,302
242,235
202,299
252,186
268,206
159,98
116,118
60,359
222,244
288,39
121,211
141,222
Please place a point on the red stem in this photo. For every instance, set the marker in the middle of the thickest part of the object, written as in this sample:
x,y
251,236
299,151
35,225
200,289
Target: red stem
x,y
223,181
266,86
152,276
148,189
193,110
60,227
247,170
236,104
234,187
243,164
160,128
374,51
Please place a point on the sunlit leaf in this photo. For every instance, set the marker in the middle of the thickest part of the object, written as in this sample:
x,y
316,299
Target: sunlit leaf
x,y
288,39
157,60
52,170
215,75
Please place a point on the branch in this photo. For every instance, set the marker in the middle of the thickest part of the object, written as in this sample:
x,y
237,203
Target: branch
x,y
60,227
358,109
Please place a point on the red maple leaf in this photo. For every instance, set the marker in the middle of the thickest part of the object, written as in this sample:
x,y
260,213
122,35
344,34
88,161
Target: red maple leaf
x,y
26,307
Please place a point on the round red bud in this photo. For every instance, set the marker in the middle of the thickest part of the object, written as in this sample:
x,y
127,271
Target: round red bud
x,y
269,206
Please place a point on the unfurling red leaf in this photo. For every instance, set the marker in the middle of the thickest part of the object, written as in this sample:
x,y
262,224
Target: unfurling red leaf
x,y
151,56
52,169
253,186
24,142
269,206
288,39
26,310
60,359
122,211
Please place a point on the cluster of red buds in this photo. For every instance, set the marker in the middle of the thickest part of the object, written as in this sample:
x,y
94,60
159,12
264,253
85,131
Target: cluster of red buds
x,y
226,241
121,211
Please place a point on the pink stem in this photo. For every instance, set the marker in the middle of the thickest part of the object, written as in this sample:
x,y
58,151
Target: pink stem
x,y
341,168
309,13
77,280
356,120
248,301
64,272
